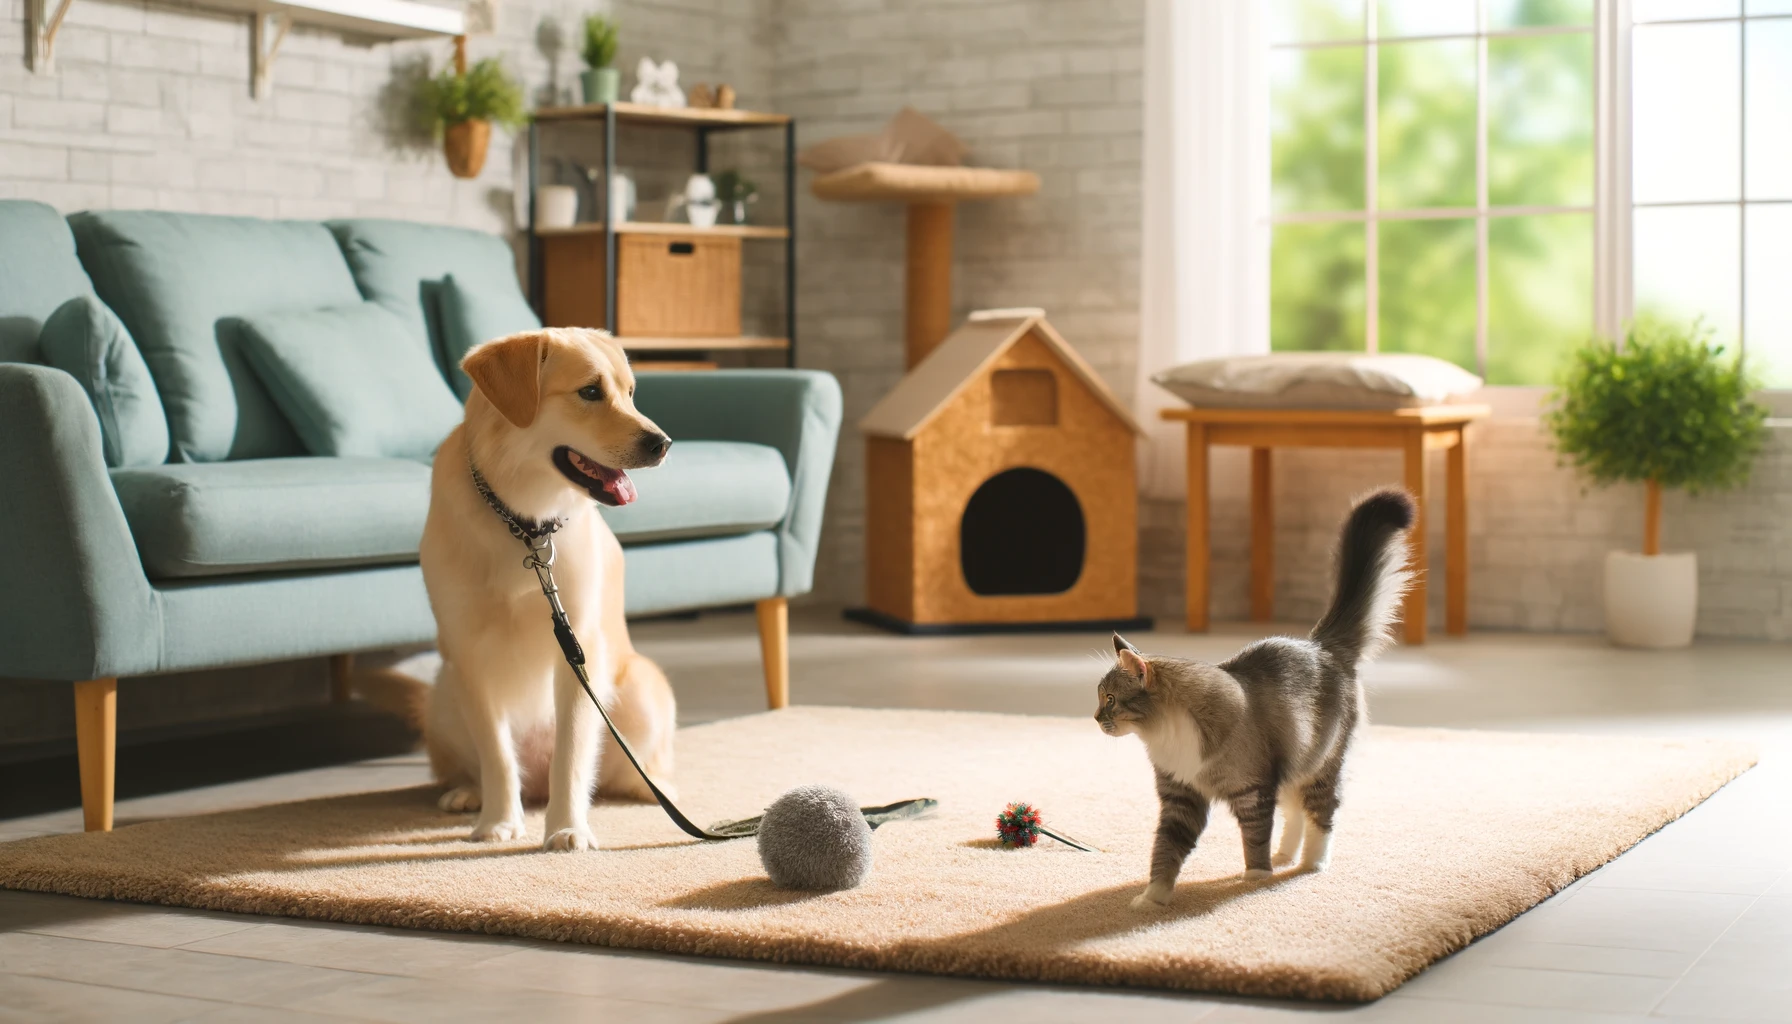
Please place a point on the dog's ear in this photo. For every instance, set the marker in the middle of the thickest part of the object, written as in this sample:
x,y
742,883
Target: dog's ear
x,y
508,373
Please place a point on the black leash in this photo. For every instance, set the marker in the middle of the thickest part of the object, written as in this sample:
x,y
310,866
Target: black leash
x,y
539,538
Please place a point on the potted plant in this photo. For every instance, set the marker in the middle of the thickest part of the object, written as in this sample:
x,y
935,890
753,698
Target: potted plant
x,y
600,80
463,106
1667,409
735,192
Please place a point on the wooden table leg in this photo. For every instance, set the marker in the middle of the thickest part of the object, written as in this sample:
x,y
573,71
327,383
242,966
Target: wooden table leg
x,y
1263,538
1415,484
1197,528
1456,538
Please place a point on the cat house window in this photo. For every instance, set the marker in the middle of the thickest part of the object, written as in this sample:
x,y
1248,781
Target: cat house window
x,y
1023,398
1022,533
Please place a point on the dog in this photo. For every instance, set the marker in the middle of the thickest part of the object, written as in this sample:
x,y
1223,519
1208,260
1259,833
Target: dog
x,y
550,427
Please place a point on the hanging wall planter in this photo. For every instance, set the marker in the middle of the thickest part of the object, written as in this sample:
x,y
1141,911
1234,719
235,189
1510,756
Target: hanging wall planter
x,y
463,103
465,145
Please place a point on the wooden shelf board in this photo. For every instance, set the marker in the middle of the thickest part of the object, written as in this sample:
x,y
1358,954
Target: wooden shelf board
x,y
380,19
642,227
637,113
916,183
702,344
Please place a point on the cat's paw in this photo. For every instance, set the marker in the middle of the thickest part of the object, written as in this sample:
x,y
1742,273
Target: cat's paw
x,y
1257,874
570,839
501,830
1155,897
1318,853
459,800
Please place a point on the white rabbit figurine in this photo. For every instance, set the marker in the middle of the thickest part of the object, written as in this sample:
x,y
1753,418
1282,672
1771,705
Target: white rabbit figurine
x,y
656,85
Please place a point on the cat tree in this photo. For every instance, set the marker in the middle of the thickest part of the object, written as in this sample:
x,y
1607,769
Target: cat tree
x,y
932,193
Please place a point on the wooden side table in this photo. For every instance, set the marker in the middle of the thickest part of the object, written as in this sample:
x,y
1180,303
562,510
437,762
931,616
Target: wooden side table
x,y
1412,431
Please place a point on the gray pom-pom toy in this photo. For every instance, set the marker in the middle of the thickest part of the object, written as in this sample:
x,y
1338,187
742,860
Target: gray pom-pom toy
x,y
815,837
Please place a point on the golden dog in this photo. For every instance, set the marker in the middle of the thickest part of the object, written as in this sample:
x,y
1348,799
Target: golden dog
x,y
550,426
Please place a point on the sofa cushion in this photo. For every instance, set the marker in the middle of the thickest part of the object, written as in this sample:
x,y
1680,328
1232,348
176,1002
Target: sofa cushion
x,y
174,278
401,265
85,340
38,273
474,311
705,489
351,380
263,515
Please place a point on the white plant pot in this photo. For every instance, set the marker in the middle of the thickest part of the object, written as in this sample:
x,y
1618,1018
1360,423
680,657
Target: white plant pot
x,y
1651,600
556,206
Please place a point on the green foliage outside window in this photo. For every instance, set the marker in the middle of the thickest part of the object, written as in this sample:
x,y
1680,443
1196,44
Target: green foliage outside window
x,y
1539,153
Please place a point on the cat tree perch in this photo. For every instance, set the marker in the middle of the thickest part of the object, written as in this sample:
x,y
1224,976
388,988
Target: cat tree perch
x,y
932,193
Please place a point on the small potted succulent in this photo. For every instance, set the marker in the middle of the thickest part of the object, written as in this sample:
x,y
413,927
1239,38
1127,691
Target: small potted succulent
x,y
1667,409
600,80
463,106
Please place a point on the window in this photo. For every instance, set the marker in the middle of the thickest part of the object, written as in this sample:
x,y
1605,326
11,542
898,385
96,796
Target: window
x,y
1711,151
1433,179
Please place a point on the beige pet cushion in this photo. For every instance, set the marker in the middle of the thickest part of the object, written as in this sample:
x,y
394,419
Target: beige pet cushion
x,y
1319,380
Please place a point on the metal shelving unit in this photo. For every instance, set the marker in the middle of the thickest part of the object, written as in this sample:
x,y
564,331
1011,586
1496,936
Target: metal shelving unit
x,y
704,123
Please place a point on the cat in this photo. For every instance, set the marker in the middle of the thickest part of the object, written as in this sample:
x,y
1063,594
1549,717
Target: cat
x,y
1269,727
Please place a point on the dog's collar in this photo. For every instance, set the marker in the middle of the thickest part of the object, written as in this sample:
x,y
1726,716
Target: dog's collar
x,y
521,527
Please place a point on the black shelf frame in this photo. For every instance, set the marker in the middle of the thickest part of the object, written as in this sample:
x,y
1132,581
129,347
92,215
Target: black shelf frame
x,y
610,117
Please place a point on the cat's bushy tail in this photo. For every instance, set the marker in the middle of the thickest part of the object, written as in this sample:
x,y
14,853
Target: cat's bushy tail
x,y
1372,577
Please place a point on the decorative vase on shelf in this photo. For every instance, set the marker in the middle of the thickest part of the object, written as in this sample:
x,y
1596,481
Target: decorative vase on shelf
x,y
464,143
556,206
601,85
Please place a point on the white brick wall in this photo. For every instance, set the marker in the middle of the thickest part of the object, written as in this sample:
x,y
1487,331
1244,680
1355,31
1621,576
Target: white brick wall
x,y
1053,87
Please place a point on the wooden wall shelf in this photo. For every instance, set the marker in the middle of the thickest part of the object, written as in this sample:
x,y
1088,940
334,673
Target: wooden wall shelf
x,y
642,227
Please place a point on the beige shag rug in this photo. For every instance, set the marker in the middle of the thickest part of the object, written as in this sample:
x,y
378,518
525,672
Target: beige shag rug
x,y
1444,835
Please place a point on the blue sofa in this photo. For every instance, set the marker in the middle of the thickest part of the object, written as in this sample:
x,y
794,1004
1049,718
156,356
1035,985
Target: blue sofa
x,y
235,546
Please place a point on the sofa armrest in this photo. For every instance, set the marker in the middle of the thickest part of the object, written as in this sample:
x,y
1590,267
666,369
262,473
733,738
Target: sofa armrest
x,y
74,602
795,411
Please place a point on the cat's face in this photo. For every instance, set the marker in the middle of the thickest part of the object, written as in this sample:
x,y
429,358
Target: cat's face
x,y
1123,697
1124,702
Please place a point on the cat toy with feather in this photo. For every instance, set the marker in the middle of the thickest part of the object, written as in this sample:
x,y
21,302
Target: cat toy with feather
x,y
1020,825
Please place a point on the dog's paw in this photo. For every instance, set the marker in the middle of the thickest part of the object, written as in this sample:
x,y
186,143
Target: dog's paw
x,y
459,800
1257,874
570,839
501,831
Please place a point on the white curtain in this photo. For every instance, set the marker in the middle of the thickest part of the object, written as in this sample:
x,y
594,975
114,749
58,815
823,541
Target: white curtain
x,y
1205,266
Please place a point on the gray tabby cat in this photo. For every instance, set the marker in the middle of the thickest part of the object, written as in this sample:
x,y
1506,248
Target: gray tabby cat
x,y
1271,725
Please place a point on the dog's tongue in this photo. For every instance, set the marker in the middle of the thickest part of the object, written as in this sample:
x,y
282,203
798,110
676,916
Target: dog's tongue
x,y
617,484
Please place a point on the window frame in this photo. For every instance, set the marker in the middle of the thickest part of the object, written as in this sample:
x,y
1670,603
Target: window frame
x,y
1612,208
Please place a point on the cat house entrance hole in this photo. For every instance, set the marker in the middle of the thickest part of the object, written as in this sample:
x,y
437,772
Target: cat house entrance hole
x,y
1022,533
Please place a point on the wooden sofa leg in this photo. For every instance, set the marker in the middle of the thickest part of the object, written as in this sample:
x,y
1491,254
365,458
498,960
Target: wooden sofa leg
x,y
96,745
341,667
774,649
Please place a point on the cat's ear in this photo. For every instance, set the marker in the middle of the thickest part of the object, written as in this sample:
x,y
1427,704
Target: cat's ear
x,y
1121,646
1135,665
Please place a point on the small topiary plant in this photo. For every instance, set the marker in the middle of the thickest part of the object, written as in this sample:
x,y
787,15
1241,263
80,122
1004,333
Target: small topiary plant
x,y
1667,409
486,92
599,49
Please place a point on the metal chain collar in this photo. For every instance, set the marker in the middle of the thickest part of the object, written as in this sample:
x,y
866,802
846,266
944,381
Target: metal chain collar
x,y
521,527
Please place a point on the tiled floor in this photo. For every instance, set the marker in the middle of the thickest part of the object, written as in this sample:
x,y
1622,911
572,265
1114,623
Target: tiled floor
x,y
1693,924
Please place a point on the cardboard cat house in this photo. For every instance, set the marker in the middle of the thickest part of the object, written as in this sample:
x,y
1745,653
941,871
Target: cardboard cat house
x,y
1001,488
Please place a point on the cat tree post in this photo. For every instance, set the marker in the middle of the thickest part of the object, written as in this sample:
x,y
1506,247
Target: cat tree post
x,y
931,194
